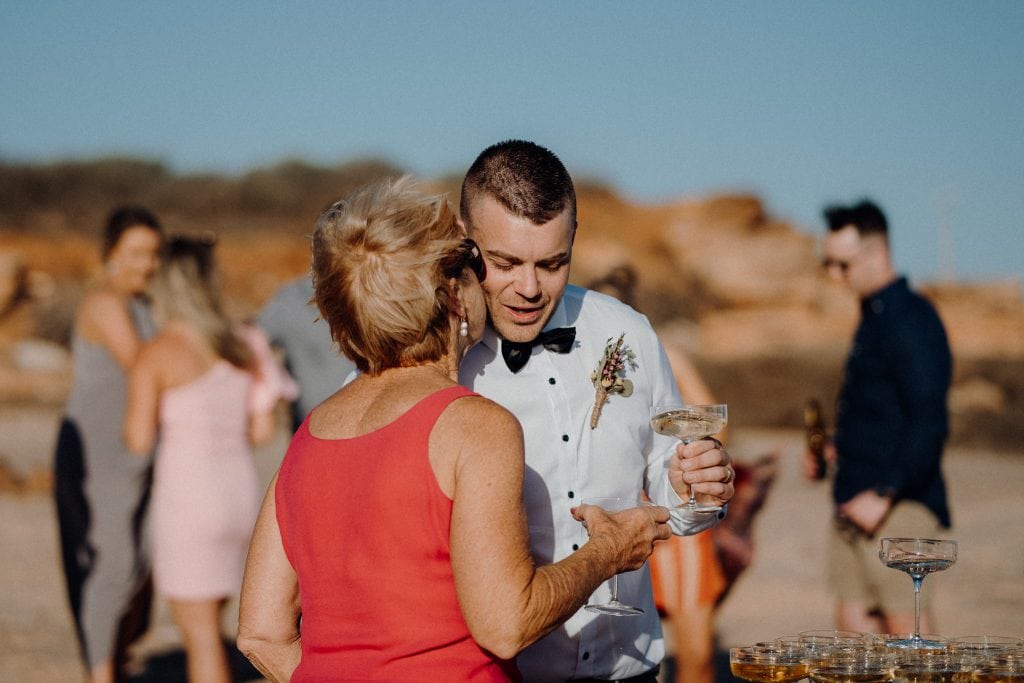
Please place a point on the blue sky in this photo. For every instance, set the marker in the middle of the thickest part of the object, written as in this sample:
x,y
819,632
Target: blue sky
x,y
919,105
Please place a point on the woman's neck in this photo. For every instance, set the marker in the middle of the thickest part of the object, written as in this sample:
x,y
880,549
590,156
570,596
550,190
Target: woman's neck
x,y
442,368
117,287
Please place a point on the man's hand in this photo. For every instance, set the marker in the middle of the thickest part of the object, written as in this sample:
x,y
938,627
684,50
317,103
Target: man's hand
x,y
628,536
867,510
810,463
706,466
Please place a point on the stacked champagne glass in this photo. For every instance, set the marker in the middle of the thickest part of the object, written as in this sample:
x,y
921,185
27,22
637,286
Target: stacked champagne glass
x,y
851,657
833,656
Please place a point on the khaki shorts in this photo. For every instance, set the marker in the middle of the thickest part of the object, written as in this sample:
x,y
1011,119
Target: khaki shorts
x,y
857,575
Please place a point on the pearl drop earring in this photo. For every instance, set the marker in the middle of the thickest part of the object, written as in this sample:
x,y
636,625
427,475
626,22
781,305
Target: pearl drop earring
x,y
463,329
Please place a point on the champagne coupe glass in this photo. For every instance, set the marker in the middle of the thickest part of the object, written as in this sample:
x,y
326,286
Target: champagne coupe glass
x,y
759,664
613,607
821,641
850,665
688,423
917,557
926,666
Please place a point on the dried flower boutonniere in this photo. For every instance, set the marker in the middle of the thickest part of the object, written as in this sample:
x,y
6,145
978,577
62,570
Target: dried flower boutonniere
x,y
607,377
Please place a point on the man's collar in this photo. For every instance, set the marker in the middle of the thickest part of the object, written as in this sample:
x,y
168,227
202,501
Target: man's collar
x,y
893,291
897,283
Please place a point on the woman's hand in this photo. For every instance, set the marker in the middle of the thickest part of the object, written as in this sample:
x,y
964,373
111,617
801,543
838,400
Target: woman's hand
x,y
626,535
145,383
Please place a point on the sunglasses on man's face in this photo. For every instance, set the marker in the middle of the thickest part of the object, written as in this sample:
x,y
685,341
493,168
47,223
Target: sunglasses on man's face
x,y
830,263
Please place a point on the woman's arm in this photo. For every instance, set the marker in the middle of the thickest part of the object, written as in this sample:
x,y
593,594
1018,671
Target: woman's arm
x,y
141,414
269,608
104,319
509,603
272,384
262,427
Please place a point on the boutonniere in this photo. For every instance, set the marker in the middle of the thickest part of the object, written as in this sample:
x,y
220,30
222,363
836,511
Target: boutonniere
x,y
607,377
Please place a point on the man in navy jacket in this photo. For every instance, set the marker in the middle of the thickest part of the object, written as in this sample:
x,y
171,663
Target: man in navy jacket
x,y
891,425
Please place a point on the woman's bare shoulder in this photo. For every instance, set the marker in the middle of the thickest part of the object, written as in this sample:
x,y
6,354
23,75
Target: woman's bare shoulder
x,y
475,437
157,352
481,417
101,302
103,317
174,355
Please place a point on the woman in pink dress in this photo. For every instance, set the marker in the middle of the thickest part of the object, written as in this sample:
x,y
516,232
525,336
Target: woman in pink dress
x,y
203,390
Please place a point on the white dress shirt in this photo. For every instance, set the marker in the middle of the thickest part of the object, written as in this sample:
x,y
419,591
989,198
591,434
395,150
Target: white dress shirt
x,y
567,462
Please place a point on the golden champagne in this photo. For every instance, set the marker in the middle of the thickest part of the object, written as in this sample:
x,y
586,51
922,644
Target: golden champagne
x,y
923,675
769,672
991,675
846,675
687,424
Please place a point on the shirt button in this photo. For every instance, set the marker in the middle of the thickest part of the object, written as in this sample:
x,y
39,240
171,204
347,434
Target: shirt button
x,y
551,380
575,546
571,494
565,437
586,656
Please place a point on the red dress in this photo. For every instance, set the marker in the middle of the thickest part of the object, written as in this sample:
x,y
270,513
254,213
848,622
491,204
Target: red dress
x,y
366,528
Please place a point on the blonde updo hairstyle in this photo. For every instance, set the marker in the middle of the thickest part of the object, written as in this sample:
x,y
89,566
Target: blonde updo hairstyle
x,y
382,262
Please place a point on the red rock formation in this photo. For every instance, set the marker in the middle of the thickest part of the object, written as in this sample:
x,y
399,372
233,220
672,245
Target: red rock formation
x,y
745,288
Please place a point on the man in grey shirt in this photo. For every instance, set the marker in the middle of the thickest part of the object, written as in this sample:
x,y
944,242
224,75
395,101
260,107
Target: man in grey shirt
x,y
291,322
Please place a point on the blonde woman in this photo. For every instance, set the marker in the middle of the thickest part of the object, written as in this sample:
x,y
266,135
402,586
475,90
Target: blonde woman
x,y
398,509
207,388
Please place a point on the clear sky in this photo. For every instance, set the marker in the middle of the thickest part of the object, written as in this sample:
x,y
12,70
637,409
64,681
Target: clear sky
x,y
919,105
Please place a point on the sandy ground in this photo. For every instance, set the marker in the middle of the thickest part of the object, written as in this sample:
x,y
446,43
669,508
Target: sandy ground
x,y
783,592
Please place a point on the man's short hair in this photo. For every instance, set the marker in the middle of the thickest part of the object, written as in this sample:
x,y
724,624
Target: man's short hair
x,y
865,216
527,179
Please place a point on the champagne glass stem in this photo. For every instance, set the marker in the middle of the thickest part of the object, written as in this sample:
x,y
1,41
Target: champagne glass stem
x,y
693,494
917,606
615,588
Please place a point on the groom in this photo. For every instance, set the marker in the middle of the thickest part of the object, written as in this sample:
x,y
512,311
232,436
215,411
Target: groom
x,y
544,355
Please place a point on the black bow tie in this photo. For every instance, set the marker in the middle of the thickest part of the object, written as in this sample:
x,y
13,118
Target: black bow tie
x,y
516,354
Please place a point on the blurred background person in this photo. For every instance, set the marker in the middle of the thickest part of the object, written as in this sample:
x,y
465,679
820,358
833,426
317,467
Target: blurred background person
x,y
685,573
891,424
393,486
734,537
291,323
203,390
99,486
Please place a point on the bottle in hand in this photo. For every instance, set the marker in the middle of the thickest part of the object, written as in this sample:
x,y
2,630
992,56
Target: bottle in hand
x,y
814,426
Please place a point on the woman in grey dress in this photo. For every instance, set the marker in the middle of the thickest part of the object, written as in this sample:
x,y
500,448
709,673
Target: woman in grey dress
x,y
100,486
